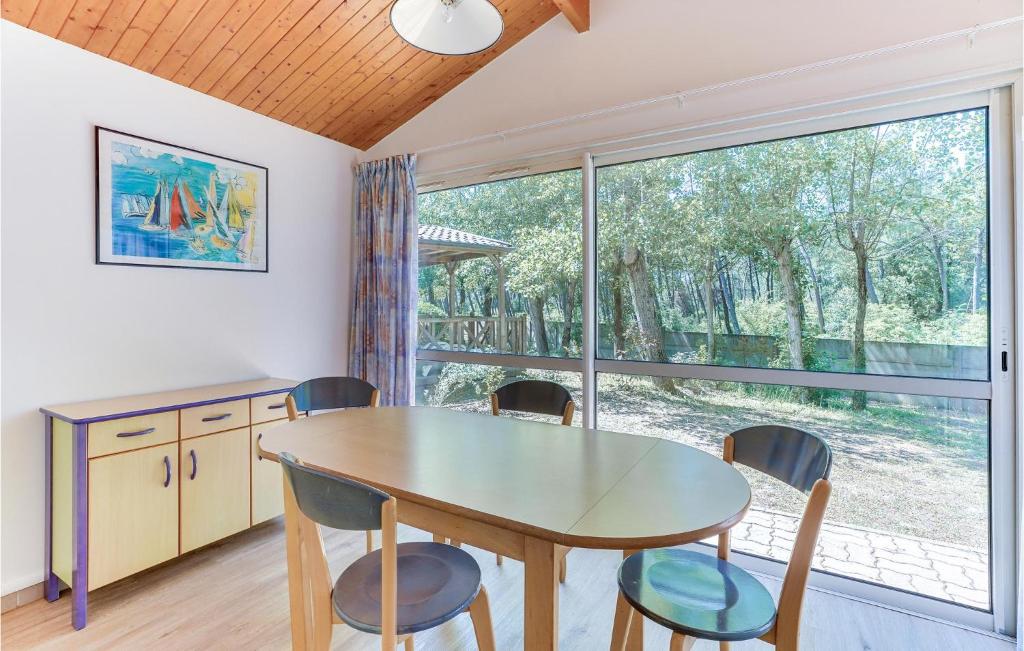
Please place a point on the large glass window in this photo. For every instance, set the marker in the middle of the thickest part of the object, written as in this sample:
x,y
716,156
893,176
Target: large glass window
x,y
837,282
501,267
860,251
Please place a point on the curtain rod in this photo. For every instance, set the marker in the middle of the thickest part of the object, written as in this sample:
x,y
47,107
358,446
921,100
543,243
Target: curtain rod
x,y
680,96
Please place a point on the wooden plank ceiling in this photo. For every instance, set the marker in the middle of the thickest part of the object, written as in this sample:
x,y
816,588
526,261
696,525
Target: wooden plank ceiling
x,y
333,67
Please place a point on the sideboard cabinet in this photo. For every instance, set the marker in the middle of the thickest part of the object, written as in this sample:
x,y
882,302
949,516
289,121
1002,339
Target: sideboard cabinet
x,y
134,482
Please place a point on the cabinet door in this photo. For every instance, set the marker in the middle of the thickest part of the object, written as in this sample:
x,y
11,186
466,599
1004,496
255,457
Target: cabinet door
x,y
214,487
133,512
267,491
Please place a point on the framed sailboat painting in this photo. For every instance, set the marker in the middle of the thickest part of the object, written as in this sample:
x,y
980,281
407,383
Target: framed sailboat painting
x,y
167,206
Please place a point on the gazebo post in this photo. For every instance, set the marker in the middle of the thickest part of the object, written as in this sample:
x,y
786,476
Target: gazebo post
x,y
502,333
451,267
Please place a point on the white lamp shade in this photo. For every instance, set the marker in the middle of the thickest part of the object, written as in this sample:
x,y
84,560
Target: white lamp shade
x,y
473,25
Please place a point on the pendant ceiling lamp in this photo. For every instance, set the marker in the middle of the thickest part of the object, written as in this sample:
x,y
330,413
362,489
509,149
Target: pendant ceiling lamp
x,y
448,27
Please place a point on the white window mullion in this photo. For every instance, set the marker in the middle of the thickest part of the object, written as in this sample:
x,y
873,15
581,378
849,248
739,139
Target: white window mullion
x,y
589,294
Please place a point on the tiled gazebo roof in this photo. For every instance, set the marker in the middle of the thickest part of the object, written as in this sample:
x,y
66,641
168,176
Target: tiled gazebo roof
x,y
438,245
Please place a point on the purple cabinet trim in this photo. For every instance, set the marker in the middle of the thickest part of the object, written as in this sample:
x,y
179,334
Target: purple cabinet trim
x,y
80,528
51,584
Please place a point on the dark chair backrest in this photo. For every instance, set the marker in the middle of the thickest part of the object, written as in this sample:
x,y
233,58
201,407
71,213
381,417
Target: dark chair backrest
x,y
333,501
332,393
796,457
534,396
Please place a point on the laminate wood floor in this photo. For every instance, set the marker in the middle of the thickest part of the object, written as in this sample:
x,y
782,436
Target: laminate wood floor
x,y
233,595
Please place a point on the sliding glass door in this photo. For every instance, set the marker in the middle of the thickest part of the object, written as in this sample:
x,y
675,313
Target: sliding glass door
x,y
854,282
862,251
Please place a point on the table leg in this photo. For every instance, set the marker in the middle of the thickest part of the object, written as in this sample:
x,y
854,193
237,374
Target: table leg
x,y
51,585
541,596
634,636
80,531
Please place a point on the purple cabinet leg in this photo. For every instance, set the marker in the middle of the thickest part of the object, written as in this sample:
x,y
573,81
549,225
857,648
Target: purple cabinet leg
x,y
51,587
80,526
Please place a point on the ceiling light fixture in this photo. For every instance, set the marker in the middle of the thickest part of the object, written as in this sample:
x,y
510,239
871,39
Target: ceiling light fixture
x,y
448,27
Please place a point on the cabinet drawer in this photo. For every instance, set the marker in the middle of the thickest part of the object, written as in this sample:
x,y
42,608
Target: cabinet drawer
x,y
125,434
217,417
268,408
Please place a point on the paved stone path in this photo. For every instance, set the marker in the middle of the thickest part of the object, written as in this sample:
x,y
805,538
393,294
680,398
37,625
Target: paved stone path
x,y
935,569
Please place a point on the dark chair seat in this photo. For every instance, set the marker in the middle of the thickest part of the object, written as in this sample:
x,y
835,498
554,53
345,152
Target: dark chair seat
x,y
696,594
435,583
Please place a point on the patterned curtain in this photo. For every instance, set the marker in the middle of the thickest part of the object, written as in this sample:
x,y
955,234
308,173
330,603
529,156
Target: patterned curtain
x,y
382,346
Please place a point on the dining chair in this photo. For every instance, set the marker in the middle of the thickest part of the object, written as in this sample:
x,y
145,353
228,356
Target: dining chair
x,y
332,393
536,397
395,592
699,596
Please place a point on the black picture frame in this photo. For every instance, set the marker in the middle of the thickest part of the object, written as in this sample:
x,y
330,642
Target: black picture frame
x,y
170,264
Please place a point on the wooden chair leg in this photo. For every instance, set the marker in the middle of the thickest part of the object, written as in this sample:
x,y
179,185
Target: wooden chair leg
x,y
723,646
438,538
410,644
681,642
480,613
499,559
369,542
561,570
621,624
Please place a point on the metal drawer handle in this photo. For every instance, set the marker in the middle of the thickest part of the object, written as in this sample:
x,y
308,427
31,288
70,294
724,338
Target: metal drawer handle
x,y
209,419
277,406
259,437
167,468
195,464
141,432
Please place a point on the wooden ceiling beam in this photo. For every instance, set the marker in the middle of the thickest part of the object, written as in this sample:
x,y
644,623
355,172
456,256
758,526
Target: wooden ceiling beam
x,y
577,11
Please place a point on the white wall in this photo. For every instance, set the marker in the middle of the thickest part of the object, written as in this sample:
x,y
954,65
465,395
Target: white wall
x,y
74,330
638,49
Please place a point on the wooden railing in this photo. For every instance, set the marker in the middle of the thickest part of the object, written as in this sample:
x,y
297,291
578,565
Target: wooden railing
x,y
474,334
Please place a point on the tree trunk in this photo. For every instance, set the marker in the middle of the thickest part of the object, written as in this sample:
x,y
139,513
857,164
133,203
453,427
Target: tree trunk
x,y
486,302
979,260
709,308
938,251
816,289
860,361
568,308
618,324
728,302
872,295
540,334
791,290
652,337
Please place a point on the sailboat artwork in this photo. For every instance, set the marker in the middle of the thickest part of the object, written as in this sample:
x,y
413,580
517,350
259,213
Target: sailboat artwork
x,y
163,205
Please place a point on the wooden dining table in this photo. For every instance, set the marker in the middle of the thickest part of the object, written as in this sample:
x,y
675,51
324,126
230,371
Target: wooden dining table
x,y
524,489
